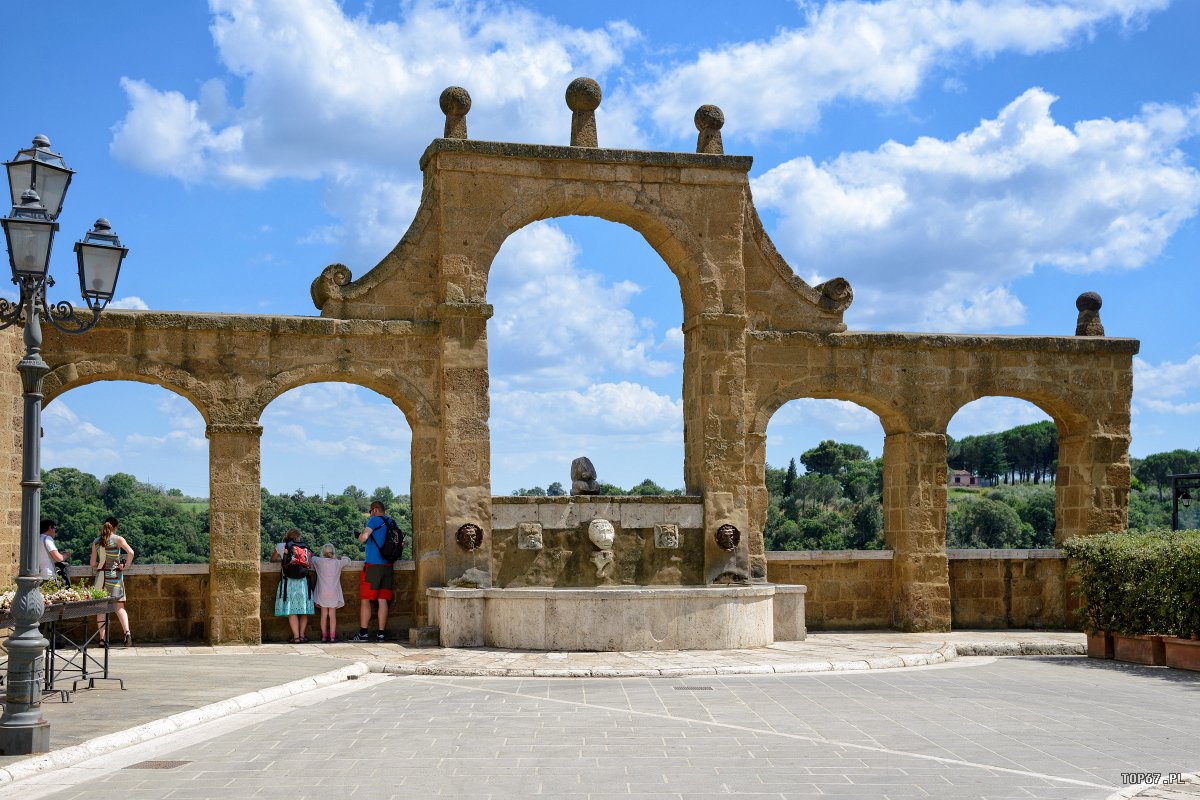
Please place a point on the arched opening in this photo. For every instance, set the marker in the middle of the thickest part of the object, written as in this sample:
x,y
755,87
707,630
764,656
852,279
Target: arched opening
x,y
824,477
1002,458
131,450
585,359
328,449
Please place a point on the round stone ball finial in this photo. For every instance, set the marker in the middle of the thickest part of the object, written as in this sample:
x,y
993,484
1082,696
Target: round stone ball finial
x,y
1088,322
1088,301
455,102
709,120
583,94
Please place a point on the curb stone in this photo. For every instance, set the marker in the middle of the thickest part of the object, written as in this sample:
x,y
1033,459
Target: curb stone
x,y
69,756
943,654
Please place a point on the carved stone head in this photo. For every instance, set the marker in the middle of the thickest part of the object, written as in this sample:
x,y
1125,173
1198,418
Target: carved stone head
x,y
602,533
727,537
469,536
529,536
666,536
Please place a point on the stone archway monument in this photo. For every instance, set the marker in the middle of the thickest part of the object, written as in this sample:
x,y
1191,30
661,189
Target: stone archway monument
x,y
414,328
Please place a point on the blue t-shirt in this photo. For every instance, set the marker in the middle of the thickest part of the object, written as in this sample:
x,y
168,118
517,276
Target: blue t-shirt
x,y
378,536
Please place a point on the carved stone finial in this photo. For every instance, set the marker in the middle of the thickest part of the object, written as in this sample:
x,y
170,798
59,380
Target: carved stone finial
x,y
583,98
455,102
583,477
709,120
1088,323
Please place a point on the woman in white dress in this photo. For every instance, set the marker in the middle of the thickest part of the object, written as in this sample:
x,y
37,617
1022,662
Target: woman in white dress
x,y
328,597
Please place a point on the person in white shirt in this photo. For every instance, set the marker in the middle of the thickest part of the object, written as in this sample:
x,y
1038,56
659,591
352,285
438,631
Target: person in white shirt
x,y
49,553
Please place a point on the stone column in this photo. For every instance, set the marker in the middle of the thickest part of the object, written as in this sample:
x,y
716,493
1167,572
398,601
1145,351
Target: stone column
x,y
1092,486
914,509
428,537
715,426
11,415
234,514
465,445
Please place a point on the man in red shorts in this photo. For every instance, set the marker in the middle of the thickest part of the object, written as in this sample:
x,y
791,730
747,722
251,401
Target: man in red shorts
x,y
378,576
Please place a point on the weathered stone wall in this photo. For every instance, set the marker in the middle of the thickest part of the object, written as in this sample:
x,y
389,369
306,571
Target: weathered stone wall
x,y
11,414
1010,589
850,589
916,383
847,589
564,559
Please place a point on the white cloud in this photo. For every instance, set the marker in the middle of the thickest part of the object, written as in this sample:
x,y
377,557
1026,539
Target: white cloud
x,y
337,419
308,107
879,52
1160,387
992,414
557,324
931,234
133,301
616,408
841,416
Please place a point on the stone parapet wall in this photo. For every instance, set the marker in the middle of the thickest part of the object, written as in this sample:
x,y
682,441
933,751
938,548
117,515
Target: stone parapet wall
x,y
850,589
564,558
168,602
1010,589
847,589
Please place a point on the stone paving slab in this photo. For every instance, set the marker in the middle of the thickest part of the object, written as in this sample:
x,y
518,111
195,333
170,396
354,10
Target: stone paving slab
x,y
155,689
820,652
981,728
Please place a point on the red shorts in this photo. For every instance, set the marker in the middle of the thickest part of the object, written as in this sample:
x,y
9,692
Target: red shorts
x,y
375,582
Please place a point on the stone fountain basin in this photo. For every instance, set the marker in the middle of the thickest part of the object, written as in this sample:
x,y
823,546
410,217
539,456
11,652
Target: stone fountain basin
x,y
619,618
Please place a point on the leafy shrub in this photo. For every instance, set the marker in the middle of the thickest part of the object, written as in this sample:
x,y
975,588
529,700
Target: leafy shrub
x,y
1139,582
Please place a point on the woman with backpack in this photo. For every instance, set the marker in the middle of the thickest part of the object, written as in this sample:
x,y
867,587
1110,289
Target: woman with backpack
x,y
294,599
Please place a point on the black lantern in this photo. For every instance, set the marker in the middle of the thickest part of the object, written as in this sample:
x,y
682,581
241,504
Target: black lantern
x,y
100,254
1185,498
29,233
41,170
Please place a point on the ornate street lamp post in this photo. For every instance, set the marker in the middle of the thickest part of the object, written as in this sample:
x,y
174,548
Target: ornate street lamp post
x,y
29,233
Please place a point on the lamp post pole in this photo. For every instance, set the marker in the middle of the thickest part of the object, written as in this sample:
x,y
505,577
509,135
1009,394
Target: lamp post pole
x,y
22,728
29,233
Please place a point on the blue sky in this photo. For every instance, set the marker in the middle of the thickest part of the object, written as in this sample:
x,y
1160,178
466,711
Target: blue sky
x,y
968,166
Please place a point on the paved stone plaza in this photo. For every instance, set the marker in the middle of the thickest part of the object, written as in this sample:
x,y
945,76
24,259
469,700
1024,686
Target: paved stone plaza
x,y
977,727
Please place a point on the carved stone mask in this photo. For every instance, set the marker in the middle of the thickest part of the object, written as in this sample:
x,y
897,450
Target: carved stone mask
x,y
469,536
727,537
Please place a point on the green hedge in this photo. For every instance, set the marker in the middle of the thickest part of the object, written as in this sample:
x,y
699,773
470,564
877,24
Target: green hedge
x,y
1139,582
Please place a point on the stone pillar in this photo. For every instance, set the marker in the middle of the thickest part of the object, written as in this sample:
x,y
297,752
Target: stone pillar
x,y
11,415
1092,486
465,444
428,539
914,510
234,515
715,426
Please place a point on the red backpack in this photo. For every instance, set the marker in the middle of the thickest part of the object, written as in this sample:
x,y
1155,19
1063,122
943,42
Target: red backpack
x,y
297,560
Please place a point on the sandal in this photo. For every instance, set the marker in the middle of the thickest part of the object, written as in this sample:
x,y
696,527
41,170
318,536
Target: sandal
x,y
128,639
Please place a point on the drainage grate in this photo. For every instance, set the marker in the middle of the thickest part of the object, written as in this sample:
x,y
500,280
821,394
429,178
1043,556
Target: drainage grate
x,y
157,764
693,688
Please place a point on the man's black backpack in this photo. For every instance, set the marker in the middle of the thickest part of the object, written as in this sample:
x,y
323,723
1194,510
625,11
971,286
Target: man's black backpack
x,y
392,546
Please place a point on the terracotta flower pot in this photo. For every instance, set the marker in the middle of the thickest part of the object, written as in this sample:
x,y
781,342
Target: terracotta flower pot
x,y
1182,653
1139,649
1100,645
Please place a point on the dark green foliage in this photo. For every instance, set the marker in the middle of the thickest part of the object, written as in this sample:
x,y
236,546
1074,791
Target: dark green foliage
x,y
1026,453
336,519
1139,583
835,505
161,526
555,490
974,520
1157,467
